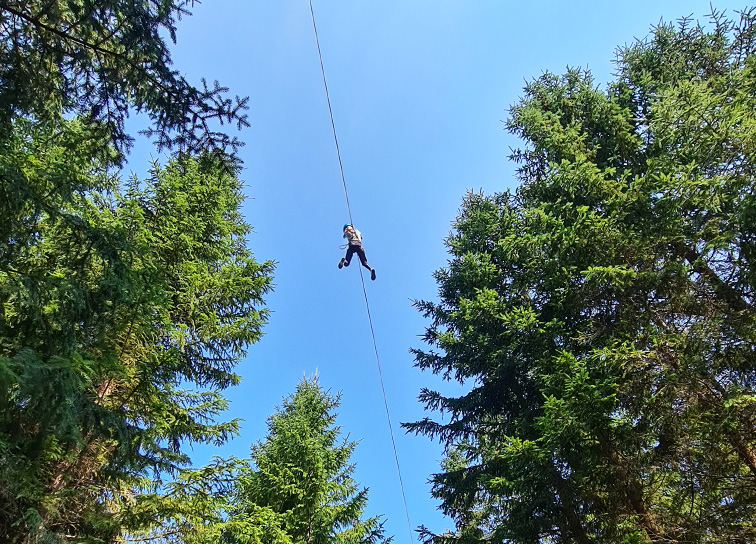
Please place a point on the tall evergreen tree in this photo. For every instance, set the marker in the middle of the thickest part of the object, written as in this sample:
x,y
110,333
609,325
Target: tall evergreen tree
x,y
123,314
124,306
603,315
302,472
297,487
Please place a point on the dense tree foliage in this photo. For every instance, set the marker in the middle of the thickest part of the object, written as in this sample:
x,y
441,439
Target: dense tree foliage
x,y
124,304
97,60
603,314
125,307
302,472
297,486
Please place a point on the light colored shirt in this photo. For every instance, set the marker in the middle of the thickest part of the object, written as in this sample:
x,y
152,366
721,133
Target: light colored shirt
x,y
353,236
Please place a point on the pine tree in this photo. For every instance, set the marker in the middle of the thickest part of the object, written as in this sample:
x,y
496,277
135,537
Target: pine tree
x,y
124,305
302,472
603,314
297,487
98,60
123,314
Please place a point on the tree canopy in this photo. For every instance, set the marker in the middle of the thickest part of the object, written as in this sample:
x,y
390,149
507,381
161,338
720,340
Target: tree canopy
x,y
125,304
101,60
302,472
603,314
125,307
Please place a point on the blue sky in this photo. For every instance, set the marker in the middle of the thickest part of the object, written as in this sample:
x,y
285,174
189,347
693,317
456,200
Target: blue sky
x,y
419,90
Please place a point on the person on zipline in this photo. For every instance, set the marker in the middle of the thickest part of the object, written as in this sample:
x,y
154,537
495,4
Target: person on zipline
x,y
354,245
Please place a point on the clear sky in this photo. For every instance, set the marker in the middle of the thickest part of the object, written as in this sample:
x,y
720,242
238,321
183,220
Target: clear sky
x,y
420,90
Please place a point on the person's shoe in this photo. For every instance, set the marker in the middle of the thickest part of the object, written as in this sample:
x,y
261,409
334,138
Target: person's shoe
x,y
341,263
372,274
346,263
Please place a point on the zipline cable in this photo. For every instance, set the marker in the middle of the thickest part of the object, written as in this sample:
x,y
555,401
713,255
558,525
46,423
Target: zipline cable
x,y
330,112
362,277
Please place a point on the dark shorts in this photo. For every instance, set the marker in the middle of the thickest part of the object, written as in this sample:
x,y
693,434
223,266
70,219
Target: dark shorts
x,y
354,248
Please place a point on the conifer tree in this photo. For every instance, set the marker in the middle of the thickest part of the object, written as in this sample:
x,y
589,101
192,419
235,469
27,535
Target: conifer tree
x,y
302,472
124,305
98,60
124,312
603,314
297,487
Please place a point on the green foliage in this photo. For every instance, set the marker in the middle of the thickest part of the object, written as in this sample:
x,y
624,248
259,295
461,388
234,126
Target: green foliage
x,y
303,473
297,487
124,306
122,315
196,509
99,59
603,315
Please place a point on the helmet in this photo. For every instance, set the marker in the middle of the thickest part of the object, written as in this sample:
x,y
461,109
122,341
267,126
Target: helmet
x,y
345,226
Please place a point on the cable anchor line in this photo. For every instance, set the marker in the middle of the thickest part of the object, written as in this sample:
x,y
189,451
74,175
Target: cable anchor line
x,y
362,277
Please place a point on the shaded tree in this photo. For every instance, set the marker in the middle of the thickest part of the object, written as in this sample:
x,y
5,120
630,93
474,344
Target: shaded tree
x,y
124,305
124,308
603,314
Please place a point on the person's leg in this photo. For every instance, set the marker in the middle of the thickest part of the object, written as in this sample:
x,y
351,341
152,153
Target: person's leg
x,y
349,253
363,260
346,258
361,254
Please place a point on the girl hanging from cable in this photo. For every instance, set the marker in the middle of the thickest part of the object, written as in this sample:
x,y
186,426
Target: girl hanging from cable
x,y
354,245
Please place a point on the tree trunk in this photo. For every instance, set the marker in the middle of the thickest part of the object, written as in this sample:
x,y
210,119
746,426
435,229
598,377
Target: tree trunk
x,y
744,452
633,491
727,293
